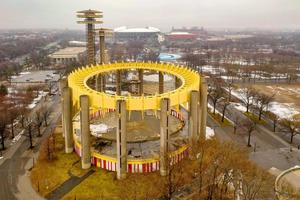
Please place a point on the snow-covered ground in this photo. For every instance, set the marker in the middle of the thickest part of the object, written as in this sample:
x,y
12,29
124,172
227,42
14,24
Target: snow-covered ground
x,y
282,110
155,78
239,107
36,100
209,133
17,137
123,93
98,129
212,70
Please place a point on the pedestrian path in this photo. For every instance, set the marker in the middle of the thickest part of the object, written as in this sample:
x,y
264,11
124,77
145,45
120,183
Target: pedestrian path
x,y
67,186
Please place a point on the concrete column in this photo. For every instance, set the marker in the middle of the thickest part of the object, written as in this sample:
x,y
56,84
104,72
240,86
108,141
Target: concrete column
x,y
193,117
118,82
102,46
103,82
164,136
99,82
161,82
67,119
177,82
141,79
121,140
203,105
62,84
85,132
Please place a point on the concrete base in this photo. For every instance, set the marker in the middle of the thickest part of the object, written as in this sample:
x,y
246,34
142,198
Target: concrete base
x,y
163,172
69,150
85,165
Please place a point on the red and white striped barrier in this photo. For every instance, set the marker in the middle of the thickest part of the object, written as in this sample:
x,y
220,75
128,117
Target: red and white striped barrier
x,y
178,115
133,166
100,113
107,164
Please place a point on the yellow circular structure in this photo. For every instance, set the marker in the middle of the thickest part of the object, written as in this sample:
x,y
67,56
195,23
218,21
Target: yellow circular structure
x,y
77,81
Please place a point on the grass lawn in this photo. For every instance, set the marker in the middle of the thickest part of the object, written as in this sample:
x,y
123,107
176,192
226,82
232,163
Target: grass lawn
x,y
48,175
254,118
103,185
218,118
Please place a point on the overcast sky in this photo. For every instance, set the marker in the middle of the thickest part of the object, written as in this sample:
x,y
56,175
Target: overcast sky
x,y
268,14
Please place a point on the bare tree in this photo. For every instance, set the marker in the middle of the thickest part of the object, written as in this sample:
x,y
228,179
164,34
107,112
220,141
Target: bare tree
x,y
274,118
236,122
30,136
3,123
38,120
249,125
224,106
229,87
247,97
215,93
262,103
45,112
50,147
173,178
255,184
291,126
12,115
51,85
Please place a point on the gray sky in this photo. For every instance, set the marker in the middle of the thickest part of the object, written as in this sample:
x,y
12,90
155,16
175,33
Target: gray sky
x,y
268,14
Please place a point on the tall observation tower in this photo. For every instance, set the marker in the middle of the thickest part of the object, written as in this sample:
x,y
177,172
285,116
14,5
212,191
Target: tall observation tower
x,y
90,18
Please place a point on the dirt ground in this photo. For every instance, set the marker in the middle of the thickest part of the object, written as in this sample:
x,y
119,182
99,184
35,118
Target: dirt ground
x,y
284,93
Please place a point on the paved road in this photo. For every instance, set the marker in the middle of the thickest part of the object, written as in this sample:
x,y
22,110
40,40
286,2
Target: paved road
x,y
15,182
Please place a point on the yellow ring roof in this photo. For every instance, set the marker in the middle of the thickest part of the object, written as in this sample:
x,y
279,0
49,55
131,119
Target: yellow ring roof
x,y
77,81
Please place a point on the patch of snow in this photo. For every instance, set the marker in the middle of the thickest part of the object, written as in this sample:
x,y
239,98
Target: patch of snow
x,y
211,69
209,133
25,73
239,107
123,93
132,76
36,100
283,110
98,129
230,78
17,137
238,94
155,78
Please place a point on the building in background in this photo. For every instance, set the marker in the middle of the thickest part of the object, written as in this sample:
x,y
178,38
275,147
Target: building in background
x,y
67,55
75,43
181,36
124,34
200,32
35,78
